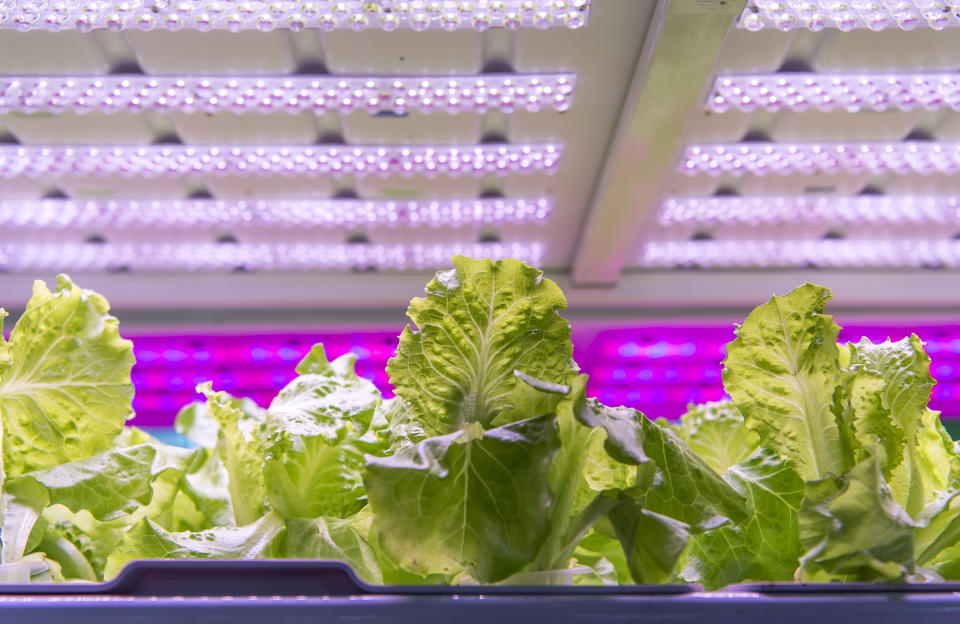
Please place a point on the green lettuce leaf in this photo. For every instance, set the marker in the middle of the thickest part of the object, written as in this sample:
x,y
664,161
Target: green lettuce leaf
x,y
852,528
262,539
472,499
65,387
242,453
765,546
781,372
340,539
314,454
716,432
480,322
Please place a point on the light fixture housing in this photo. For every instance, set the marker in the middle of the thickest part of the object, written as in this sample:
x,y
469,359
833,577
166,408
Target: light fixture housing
x,y
295,15
158,160
290,94
761,158
187,257
787,15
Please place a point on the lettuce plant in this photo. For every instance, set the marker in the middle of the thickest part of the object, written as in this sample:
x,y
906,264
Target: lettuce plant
x,y
491,465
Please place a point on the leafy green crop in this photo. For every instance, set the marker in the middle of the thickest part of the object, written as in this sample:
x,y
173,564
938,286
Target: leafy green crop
x,y
491,465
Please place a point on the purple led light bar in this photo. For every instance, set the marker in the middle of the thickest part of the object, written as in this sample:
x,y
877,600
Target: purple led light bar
x,y
156,160
923,157
656,369
60,214
787,15
827,92
811,209
266,15
294,94
80,257
825,253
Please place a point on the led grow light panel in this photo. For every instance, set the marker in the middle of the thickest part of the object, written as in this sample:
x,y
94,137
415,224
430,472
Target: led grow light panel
x,y
58,214
158,160
799,91
187,257
935,211
760,158
290,94
264,16
657,369
787,15
792,253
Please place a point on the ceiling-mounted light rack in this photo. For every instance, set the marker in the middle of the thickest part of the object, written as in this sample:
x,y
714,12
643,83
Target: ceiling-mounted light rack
x,y
787,15
791,253
96,257
760,158
295,15
835,91
290,94
810,209
156,160
65,214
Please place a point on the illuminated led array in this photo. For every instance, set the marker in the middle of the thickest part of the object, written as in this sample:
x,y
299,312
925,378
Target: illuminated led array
x,y
824,253
193,213
923,157
296,15
157,160
861,210
847,15
827,92
254,257
452,94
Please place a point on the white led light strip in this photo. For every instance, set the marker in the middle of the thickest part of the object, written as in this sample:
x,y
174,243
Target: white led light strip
x,y
160,160
923,157
847,15
57,214
834,254
861,210
82,257
318,94
296,15
827,92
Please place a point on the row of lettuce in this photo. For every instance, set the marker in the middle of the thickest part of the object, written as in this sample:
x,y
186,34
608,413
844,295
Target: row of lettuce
x,y
490,465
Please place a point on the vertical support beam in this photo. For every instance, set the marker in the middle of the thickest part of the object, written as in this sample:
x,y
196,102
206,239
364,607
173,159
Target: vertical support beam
x,y
681,47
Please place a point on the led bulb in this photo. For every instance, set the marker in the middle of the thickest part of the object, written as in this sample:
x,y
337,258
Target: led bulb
x,y
817,14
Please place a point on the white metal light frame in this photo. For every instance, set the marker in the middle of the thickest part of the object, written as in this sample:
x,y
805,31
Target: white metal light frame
x,y
811,209
157,160
834,91
93,257
65,214
293,94
847,15
295,15
761,158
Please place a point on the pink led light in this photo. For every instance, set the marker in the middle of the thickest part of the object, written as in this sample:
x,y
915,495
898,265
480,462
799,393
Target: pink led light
x,y
157,160
923,157
824,253
866,209
33,257
827,92
294,94
787,15
296,15
60,214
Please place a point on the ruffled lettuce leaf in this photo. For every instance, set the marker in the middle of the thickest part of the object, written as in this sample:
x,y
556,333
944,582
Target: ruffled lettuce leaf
x,y
716,432
262,539
473,499
341,539
65,387
315,439
480,322
782,371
